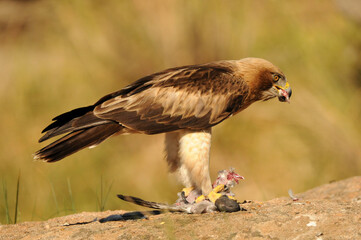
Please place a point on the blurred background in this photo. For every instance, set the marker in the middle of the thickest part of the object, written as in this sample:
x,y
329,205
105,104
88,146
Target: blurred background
x,y
60,55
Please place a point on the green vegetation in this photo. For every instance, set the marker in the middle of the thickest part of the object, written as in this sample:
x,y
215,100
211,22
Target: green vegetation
x,y
102,199
59,55
6,205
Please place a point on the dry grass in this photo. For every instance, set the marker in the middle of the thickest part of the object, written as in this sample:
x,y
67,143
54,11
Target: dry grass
x,y
59,55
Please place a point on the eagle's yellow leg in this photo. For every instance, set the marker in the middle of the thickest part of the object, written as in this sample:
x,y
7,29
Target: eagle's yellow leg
x,y
200,198
214,195
187,191
233,198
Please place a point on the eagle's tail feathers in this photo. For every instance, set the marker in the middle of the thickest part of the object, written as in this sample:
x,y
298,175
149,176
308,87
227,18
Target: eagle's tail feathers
x,y
81,122
77,140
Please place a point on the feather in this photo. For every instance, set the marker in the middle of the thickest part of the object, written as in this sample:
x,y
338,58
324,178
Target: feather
x,y
75,141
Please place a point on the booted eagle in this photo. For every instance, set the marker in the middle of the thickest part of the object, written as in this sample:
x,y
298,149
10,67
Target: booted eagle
x,y
182,102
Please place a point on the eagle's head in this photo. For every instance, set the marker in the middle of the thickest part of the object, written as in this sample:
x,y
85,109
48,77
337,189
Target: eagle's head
x,y
265,80
280,87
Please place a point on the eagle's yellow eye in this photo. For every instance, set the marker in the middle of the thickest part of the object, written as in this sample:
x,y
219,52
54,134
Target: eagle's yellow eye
x,y
276,78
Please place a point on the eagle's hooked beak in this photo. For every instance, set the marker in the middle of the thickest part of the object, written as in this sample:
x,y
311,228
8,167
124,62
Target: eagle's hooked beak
x,y
284,93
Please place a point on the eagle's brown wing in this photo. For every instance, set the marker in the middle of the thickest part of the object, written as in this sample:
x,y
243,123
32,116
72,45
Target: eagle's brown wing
x,y
192,97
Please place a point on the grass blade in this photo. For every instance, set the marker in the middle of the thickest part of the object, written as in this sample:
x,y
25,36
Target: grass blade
x,y
101,194
107,194
55,199
103,198
100,199
17,200
7,215
71,196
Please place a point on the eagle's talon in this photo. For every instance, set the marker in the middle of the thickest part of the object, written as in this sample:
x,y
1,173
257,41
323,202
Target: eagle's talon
x,y
213,196
200,198
231,197
219,188
187,191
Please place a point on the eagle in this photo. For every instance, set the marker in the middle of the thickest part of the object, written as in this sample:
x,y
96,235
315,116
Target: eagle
x,y
182,102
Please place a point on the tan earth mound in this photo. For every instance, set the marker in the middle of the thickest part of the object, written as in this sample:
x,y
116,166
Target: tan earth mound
x,y
331,211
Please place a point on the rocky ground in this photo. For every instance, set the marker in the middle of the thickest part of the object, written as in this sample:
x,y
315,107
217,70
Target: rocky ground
x,y
331,211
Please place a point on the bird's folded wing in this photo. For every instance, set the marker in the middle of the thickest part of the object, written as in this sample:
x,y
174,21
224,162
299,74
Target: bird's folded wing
x,y
191,98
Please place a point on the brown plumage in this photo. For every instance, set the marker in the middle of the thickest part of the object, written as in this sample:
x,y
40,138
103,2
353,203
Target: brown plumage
x,y
184,102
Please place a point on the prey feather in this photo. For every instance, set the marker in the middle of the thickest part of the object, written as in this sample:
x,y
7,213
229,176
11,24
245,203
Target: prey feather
x,y
189,202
